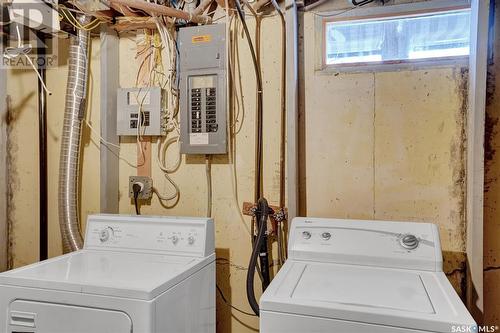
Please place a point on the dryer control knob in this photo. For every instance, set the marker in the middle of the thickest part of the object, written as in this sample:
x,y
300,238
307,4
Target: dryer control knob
x,y
306,234
409,242
175,239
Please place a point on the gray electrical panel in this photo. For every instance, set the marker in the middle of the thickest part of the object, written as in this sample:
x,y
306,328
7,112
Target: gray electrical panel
x,y
202,51
144,104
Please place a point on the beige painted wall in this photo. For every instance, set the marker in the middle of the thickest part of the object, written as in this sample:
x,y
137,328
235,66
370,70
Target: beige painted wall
x,y
23,159
389,145
389,148
232,184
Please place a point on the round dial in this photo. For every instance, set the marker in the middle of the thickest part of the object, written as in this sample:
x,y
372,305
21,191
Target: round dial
x,y
409,242
105,234
326,235
306,234
175,239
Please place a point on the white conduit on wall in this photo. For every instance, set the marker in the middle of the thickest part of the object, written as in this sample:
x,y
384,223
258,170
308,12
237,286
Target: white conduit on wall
x,y
76,91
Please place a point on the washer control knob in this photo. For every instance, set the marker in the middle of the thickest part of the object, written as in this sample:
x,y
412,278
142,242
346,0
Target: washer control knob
x,y
326,235
191,240
104,235
175,239
306,234
409,242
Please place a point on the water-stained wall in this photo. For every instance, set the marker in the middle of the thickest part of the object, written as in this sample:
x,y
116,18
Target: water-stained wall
x,y
492,182
389,145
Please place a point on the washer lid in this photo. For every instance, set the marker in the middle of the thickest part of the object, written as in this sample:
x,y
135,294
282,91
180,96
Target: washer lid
x,y
121,274
393,297
384,289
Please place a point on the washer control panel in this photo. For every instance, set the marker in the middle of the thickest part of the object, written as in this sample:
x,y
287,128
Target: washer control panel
x,y
174,235
388,244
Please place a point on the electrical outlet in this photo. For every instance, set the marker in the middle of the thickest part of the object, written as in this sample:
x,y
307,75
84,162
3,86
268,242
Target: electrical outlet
x,y
147,191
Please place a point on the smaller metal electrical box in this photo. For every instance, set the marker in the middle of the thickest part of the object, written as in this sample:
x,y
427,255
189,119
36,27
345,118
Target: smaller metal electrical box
x,y
203,89
144,104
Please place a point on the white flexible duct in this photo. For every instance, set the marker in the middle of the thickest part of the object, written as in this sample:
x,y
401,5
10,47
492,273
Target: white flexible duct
x,y
76,91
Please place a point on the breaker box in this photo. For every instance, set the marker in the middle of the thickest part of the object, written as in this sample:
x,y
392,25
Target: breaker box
x,y
140,104
203,111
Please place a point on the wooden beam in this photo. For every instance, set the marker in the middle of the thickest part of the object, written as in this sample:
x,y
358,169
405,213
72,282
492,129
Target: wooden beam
x,y
154,10
144,148
135,24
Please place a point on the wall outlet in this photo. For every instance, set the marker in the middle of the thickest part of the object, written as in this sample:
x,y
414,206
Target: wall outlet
x,y
147,191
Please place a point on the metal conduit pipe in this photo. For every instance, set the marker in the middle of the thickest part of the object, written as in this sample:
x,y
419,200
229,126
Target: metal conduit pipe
x,y
76,91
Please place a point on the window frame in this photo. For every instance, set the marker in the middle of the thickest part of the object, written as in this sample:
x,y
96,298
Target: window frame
x,y
383,12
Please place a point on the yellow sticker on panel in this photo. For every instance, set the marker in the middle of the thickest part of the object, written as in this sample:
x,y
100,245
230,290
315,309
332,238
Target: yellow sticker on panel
x,y
201,39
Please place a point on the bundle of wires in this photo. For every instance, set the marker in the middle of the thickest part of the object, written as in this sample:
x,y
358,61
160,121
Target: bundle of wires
x,y
68,15
170,83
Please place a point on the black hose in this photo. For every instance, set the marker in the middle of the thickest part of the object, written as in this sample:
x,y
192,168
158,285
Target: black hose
x,y
258,149
361,3
262,213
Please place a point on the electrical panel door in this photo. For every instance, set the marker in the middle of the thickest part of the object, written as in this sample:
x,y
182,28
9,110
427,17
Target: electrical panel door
x,y
140,111
203,89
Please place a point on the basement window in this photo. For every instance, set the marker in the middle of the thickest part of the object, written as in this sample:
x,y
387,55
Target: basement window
x,y
397,38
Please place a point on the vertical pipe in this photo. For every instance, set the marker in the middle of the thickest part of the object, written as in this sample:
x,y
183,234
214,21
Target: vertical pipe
x,y
69,164
42,152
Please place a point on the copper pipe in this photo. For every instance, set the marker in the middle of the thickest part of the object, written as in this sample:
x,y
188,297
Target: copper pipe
x,y
154,9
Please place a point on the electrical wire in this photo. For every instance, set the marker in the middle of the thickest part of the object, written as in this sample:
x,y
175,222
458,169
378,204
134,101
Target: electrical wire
x,y
136,204
24,50
172,127
136,188
230,305
258,152
66,13
208,172
108,144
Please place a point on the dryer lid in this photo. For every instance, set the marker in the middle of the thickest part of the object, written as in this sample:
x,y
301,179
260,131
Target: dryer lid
x,y
394,297
121,274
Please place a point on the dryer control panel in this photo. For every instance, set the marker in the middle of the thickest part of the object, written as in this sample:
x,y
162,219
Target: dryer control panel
x,y
151,234
408,245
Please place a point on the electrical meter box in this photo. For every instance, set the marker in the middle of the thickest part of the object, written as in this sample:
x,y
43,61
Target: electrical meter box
x,y
202,51
144,105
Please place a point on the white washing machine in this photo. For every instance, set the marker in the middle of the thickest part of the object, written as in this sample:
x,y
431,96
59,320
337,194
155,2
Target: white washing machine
x,y
135,274
354,276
